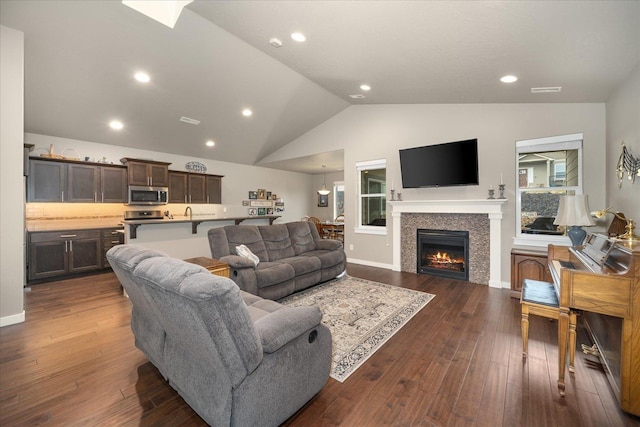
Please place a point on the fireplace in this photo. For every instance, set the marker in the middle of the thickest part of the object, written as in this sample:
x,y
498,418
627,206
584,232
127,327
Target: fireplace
x,y
443,253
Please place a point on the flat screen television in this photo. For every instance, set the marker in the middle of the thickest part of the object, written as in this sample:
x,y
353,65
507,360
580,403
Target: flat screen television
x,y
440,165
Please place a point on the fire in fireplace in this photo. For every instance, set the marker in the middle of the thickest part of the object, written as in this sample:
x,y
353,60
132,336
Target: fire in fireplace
x,y
443,253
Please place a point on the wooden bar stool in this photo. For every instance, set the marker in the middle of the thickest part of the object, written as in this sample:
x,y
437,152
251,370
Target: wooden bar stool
x,y
541,299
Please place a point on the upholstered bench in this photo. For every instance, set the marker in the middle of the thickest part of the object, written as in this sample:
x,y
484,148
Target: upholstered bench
x,y
541,299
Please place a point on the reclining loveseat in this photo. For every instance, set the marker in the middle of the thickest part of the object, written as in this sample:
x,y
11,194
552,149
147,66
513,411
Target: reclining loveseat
x,y
290,257
235,358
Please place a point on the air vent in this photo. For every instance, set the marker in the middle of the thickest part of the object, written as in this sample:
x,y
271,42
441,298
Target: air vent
x,y
357,96
546,89
189,120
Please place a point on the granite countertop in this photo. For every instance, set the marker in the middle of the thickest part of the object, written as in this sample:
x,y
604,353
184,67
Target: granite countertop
x,y
34,225
195,218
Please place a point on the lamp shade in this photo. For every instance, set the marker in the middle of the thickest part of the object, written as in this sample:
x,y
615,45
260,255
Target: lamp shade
x,y
574,210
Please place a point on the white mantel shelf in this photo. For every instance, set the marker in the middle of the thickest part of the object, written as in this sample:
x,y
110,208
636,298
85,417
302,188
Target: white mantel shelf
x,y
493,208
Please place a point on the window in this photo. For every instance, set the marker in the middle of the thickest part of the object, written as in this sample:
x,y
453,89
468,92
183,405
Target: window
x,y
372,197
547,168
338,199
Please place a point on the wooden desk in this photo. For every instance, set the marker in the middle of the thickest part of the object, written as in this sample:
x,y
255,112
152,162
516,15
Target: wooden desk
x,y
216,267
610,292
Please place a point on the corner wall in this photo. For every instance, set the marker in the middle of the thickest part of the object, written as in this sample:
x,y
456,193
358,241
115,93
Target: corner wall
x,y
12,263
623,124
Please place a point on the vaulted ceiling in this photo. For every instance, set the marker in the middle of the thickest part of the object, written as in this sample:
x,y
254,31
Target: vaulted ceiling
x,y
80,57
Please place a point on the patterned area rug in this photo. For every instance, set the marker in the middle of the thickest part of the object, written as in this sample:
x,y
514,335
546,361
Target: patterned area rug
x,y
362,315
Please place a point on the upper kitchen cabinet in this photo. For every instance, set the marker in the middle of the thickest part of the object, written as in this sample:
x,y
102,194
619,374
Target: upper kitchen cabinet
x,y
147,172
198,188
64,181
46,181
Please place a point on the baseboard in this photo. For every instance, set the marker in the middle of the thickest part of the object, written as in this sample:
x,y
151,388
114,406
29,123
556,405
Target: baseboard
x,y
370,263
12,320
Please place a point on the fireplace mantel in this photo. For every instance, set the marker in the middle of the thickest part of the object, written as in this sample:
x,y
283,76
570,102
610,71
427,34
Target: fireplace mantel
x,y
491,207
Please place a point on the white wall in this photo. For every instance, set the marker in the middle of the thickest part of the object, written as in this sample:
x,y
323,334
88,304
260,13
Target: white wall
x,y
11,176
371,132
623,124
294,188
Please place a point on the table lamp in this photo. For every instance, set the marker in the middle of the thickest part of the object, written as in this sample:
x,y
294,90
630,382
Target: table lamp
x,y
574,213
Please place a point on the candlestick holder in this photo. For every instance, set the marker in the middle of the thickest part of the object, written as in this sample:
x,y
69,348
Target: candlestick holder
x,y
393,195
501,187
491,193
399,197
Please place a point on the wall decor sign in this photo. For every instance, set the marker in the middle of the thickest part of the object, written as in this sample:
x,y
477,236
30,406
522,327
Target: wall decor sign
x,y
261,203
196,167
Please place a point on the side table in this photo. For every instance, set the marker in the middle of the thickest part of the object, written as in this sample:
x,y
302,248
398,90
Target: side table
x,y
216,267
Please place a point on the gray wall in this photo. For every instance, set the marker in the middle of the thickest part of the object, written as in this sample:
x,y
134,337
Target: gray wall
x,y
371,132
623,124
11,190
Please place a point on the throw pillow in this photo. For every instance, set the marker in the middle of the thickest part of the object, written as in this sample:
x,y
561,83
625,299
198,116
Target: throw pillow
x,y
244,251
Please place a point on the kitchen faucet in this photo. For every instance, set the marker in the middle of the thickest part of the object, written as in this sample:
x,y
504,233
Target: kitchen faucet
x,y
190,212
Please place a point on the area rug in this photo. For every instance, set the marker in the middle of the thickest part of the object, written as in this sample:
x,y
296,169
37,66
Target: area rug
x,y
362,315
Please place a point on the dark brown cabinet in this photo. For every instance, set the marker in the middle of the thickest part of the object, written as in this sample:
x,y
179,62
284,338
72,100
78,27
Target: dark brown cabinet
x,y
198,188
528,264
54,253
46,181
147,173
61,181
60,253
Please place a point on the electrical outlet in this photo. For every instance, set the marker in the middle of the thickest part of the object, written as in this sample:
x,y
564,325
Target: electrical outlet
x,y
224,209
350,247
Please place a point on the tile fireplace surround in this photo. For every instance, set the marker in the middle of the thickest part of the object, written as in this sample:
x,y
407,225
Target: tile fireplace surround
x,y
467,215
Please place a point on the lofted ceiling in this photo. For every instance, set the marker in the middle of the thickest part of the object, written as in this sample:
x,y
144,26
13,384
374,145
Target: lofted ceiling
x,y
80,57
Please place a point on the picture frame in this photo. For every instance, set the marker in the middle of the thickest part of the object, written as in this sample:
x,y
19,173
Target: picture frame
x,y
262,193
253,195
262,211
253,211
323,200
269,211
245,203
261,203
268,195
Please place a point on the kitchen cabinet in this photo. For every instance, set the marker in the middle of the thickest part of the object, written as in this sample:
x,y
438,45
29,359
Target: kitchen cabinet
x,y
528,264
65,252
71,181
46,181
111,237
146,172
57,253
195,188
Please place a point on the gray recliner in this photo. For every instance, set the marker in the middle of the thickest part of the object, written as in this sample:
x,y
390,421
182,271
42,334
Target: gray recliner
x,y
235,358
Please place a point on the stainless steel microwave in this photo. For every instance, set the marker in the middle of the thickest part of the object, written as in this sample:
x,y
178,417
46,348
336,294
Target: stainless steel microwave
x,y
140,195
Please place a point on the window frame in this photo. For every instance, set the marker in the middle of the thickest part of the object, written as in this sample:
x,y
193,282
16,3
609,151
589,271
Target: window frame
x,y
540,145
360,168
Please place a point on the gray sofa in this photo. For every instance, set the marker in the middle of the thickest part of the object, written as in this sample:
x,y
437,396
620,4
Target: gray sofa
x,y
292,257
235,358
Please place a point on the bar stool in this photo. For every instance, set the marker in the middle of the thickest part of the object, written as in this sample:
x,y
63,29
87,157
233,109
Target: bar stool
x,y
540,298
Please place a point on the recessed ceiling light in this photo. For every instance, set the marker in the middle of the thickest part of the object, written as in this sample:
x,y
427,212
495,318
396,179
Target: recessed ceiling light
x,y
357,96
247,112
365,87
116,124
189,120
508,79
210,143
299,37
142,77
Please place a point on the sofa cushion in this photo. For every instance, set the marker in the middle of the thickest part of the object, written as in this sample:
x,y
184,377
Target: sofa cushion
x,y
303,264
303,235
327,258
273,273
276,241
247,235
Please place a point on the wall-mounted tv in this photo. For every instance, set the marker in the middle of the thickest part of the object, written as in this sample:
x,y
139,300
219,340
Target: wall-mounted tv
x,y
440,165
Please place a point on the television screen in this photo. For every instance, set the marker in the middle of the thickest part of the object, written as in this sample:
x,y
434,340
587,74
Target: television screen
x,y
440,165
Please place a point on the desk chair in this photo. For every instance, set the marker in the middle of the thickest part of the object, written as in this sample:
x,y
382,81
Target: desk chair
x,y
541,299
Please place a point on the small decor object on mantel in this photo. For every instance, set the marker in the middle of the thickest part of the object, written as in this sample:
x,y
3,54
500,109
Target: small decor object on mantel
x,y
196,167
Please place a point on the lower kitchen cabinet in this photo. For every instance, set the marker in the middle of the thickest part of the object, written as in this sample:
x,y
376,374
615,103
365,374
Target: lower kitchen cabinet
x,y
60,253
110,237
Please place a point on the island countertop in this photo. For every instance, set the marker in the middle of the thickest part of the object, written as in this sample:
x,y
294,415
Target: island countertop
x,y
195,220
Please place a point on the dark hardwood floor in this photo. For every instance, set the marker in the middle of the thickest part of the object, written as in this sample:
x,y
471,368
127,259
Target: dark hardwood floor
x,y
456,363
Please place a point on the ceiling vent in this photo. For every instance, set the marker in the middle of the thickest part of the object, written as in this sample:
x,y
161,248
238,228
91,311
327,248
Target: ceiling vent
x,y
552,89
357,96
189,120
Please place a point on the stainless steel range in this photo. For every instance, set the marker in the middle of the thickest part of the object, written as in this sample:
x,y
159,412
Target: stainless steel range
x,y
146,214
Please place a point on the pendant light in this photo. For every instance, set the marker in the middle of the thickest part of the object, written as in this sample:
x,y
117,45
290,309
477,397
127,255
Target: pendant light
x,y
323,191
